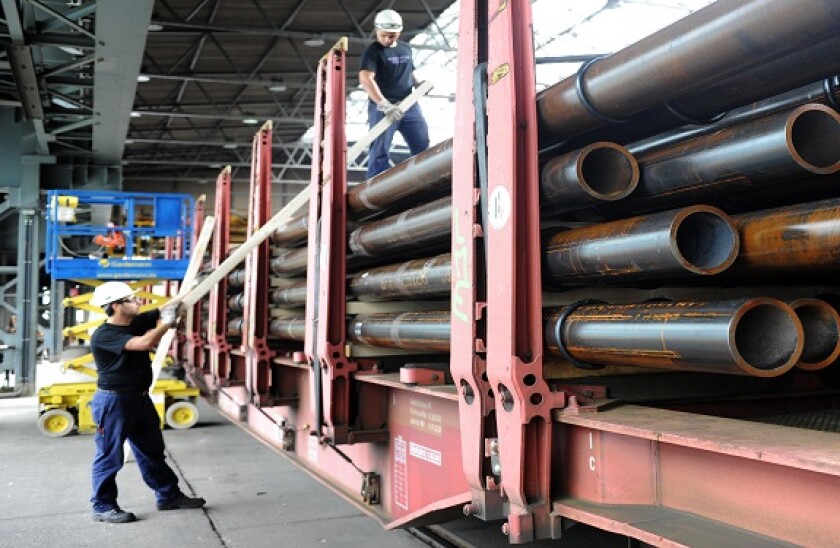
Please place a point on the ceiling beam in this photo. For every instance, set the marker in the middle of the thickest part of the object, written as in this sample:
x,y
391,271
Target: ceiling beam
x,y
179,27
74,14
13,23
60,17
166,114
121,29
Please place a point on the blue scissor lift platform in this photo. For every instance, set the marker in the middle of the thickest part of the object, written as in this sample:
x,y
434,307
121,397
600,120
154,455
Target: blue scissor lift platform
x,y
170,216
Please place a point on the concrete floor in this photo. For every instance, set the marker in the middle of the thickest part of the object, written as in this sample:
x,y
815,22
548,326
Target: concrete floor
x,y
254,496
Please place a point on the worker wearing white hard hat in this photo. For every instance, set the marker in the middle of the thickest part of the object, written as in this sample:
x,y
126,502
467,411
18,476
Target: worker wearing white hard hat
x,y
387,75
121,407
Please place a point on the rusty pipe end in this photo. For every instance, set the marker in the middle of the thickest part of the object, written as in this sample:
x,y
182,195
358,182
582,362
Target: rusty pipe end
x,y
821,326
813,137
598,172
607,171
704,240
766,337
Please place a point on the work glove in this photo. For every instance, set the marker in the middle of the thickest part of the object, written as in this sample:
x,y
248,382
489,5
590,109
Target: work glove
x,y
392,112
170,314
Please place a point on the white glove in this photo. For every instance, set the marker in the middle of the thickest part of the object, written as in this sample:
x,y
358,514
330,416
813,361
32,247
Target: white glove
x,y
392,112
169,314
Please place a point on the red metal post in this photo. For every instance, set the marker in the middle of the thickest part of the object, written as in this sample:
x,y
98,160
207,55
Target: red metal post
x,y
217,342
467,357
327,265
194,337
256,309
514,301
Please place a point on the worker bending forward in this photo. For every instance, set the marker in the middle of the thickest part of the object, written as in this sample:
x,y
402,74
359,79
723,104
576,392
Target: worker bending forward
x,y
387,75
121,407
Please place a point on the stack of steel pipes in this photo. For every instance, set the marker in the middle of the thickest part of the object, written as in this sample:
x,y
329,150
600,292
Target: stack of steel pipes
x,y
690,169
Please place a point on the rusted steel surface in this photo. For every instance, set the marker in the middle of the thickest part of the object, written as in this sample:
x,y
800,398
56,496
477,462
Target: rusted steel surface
x,y
430,277
694,240
408,330
291,295
290,263
762,153
761,337
726,38
292,232
794,239
290,329
824,92
599,172
429,171
417,227
821,326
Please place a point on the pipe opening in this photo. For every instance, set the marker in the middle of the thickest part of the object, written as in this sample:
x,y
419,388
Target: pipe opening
x,y
609,173
766,337
815,137
821,333
706,241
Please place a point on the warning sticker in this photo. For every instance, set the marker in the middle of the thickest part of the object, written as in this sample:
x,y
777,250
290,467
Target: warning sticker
x,y
424,453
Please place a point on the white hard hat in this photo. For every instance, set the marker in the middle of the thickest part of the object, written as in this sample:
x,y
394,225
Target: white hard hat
x,y
388,20
110,292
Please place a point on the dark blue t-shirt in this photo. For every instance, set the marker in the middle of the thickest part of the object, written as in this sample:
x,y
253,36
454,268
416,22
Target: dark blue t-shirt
x,y
394,68
117,368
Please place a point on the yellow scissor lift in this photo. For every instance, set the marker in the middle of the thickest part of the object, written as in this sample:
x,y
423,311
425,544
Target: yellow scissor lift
x,y
65,407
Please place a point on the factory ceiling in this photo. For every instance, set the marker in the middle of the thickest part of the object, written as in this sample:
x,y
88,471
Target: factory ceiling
x,y
174,89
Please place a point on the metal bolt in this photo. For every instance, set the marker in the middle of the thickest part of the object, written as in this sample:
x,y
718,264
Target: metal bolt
x,y
497,469
472,509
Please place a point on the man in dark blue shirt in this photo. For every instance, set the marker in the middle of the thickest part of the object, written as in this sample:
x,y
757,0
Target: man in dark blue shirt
x,y
121,407
387,75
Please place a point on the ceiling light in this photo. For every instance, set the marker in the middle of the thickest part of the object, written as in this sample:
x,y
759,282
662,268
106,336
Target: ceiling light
x,y
155,27
135,114
129,141
215,166
142,78
313,42
277,85
230,146
250,120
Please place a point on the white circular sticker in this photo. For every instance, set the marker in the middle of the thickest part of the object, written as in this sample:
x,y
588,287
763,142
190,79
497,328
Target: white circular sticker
x,y
500,206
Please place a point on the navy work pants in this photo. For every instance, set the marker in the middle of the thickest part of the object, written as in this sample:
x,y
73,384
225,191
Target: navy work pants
x,y
413,128
129,417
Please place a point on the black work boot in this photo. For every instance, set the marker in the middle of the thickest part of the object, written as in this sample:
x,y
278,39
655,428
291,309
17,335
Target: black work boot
x,y
114,515
181,501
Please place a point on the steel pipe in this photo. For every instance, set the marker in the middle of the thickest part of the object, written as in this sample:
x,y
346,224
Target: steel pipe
x,y
790,240
415,228
761,337
695,240
421,278
236,278
429,171
407,330
824,92
599,172
236,303
290,329
291,295
821,326
723,39
764,152
290,263
234,327
293,232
